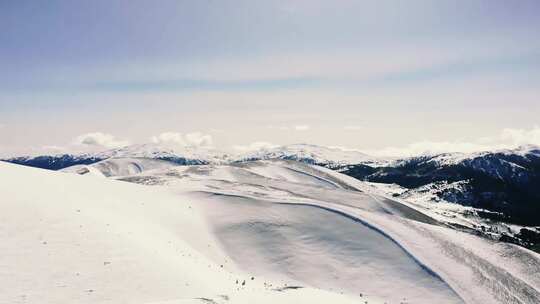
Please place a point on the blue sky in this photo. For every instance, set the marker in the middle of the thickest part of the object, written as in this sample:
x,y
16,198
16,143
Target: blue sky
x,y
241,72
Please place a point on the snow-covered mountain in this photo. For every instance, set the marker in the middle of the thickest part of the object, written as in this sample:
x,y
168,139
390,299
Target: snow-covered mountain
x,y
181,155
504,183
178,155
54,161
508,164
330,157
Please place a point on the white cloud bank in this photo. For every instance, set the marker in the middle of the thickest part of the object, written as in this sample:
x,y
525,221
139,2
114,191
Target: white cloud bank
x,y
286,128
195,139
353,128
96,141
521,136
508,138
258,145
100,140
302,127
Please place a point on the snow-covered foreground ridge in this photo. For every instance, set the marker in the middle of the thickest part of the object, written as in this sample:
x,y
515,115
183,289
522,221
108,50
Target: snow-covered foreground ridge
x,y
74,239
241,233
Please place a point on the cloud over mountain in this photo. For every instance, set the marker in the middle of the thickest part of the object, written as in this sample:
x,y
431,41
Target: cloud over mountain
x,y
258,145
99,139
507,138
194,139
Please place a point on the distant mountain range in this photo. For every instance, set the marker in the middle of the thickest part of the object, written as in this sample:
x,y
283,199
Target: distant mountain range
x,y
183,156
311,154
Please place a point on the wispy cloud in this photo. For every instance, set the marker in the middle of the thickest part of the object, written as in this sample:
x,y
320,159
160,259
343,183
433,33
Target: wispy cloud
x,y
520,136
353,127
508,138
302,127
216,131
180,83
100,140
286,128
391,65
334,68
194,139
280,127
258,145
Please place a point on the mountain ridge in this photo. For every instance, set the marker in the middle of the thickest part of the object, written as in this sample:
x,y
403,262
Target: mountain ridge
x,y
333,157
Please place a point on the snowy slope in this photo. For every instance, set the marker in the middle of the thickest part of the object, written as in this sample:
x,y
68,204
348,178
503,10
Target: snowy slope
x,y
312,226
80,239
496,192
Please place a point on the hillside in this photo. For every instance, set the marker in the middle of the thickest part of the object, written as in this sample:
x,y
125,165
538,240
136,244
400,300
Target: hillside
x,y
307,226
